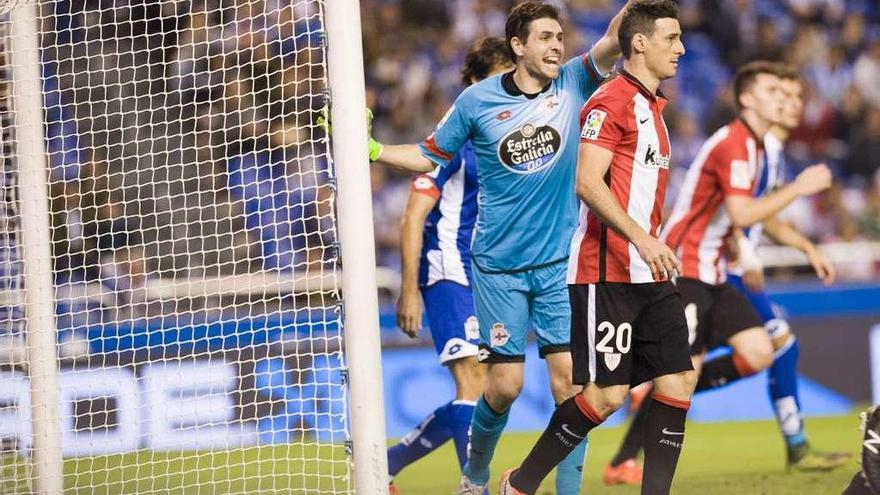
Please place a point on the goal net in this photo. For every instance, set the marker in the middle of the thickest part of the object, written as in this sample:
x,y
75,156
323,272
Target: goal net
x,y
194,250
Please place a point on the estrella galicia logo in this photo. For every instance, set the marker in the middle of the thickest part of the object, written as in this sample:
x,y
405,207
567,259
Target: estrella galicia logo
x,y
529,148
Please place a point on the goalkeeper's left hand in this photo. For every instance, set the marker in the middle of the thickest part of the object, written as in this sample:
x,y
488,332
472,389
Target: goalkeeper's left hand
x,y
374,147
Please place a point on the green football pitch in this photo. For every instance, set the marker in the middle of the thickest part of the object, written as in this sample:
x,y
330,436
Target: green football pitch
x,y
724,458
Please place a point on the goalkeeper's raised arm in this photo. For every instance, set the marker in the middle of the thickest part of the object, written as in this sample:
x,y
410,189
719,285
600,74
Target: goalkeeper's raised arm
x,y
606,51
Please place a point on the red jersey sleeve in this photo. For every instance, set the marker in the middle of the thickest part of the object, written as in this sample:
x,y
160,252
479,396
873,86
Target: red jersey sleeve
x,y
424,184
733,170
601,124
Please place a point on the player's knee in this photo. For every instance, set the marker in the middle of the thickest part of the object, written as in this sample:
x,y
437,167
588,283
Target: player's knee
x,y
605,400
562,388
470,378
758,357
501,393
612,404
689,381
677,386
753,350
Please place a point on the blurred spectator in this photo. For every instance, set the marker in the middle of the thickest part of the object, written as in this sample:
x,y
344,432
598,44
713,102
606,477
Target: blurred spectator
x,y
688,137
864,146
852,36
832,75
849,115
867,73
249,79
859,264
389,201
105,242
827,11
811,140
869,219
768,44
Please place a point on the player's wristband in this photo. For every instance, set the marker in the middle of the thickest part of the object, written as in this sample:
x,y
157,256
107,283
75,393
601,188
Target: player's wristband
x,y
375,148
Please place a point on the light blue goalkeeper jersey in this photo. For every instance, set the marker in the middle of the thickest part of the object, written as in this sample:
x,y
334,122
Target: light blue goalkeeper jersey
x,y
526,148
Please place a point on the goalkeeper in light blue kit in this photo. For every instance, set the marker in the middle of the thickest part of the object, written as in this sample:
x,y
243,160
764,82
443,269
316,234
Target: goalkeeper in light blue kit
x,y
524,128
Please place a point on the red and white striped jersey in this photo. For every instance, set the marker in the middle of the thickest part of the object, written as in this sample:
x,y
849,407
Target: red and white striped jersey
x,y
699,227
625,118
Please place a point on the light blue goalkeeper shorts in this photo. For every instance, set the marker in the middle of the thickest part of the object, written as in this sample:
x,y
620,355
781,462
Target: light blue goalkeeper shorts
x,y
507,302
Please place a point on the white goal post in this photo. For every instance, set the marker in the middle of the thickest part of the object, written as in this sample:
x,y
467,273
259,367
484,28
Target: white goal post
x,y
191,305
347,95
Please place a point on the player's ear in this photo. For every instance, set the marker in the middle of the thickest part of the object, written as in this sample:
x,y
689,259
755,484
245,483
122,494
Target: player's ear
x,y
639,43
518,46
746,100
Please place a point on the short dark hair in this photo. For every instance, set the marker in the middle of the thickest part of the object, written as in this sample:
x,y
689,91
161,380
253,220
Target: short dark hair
x,y
788,72
482,56
746,75
520,19
639,19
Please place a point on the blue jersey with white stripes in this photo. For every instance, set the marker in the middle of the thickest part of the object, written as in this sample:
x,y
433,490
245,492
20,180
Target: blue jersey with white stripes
x,y
526,147
770,177
449,228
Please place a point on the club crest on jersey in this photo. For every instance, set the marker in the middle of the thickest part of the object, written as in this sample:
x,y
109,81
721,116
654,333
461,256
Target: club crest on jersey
x,y
499,335
593,125
529,148
653,159
612,360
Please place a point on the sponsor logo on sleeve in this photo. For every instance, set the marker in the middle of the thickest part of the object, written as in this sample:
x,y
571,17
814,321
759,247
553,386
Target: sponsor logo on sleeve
x,y
593,124
423,184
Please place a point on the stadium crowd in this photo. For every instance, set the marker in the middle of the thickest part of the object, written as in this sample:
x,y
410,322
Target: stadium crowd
x,y
414,48
234,93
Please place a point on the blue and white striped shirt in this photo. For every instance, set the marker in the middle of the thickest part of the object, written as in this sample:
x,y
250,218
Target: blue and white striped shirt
x,y
449,228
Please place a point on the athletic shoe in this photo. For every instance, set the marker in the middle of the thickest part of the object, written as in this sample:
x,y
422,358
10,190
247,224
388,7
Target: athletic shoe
x,y
804,458
506,489
466,487
629,472
871,447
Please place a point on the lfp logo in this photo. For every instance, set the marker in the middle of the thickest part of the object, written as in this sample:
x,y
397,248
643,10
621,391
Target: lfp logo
x,y
529,148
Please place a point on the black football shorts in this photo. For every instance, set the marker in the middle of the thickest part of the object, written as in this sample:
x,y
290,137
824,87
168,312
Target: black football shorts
x,y
625,333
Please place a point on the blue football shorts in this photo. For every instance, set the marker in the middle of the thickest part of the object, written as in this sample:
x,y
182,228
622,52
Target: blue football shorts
x,y
454,328
507,303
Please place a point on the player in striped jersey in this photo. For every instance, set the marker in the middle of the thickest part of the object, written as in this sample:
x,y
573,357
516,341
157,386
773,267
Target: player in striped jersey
x,y
524,129
627,322
747,270
747,276
436,234
718,197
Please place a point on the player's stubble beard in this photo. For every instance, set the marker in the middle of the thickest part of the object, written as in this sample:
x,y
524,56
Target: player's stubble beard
x,y
533,69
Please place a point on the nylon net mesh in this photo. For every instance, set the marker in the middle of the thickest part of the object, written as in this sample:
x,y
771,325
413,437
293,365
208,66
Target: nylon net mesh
x,y
194,251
